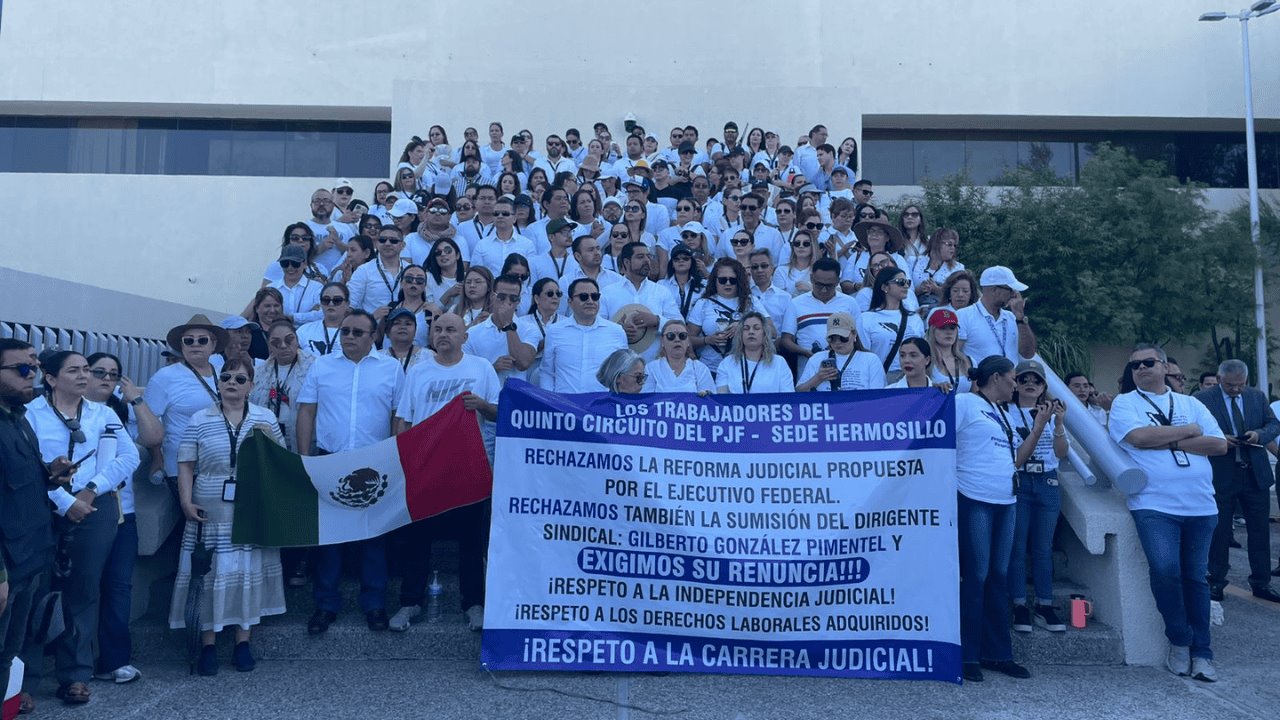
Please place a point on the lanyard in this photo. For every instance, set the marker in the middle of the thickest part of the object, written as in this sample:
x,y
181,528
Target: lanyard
x,y
686,297
234,435
71,432
328,342
213,391
839,381
1004,425
999,336
404,363
278,393
391,287
748,380
1165,419
559,268
297,303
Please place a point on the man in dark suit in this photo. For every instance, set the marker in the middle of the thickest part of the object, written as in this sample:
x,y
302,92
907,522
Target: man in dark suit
x,y
26,534
1242,475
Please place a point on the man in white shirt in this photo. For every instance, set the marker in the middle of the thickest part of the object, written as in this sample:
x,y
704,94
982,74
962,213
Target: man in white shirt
x,y
635,153
331,237
635,260
555,206
1170,436
508,346
559,262
555,161
986,329
374,284
492,249
430,385
765,236
347,402
470,231
588,258
810,311
301,294
774,299
807,153
574,350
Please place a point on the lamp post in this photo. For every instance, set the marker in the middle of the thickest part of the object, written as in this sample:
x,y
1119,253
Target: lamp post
x,y
1258,9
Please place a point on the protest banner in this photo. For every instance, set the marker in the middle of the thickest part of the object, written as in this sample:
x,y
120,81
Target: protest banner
x,y
796,534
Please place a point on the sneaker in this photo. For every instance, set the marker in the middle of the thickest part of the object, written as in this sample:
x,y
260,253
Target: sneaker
x,y
121,675
404,617
1202,669
1179,660
1021,618
243,658
1047,618
475,617
207,665
1008,667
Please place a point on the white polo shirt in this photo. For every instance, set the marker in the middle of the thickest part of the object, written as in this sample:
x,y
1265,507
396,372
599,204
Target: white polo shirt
x,y
984,335
574,352
354,400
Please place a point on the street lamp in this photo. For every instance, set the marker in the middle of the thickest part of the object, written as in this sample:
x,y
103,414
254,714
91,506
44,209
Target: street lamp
x,y
1258,9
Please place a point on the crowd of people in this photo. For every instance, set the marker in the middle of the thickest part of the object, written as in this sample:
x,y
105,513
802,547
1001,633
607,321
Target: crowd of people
x,y
735,265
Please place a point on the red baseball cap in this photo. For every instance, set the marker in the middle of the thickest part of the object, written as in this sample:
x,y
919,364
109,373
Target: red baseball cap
x,y
942,318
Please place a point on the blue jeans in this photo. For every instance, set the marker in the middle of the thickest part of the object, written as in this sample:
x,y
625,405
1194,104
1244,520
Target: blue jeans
x,y
1177,548
1039,503
986,541
114,645
373,575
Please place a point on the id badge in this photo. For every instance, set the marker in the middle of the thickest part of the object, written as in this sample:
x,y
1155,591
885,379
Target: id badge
x,y
229,490
1051,482
1035,467
1180,458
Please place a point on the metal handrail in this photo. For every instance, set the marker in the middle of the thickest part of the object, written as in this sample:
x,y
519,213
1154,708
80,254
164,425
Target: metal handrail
x,y
1106,459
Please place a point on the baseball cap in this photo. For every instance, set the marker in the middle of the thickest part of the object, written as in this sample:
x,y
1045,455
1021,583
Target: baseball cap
x,y
942,318
1029,366
840,324
686,147
695,227
640,166
235,322
294,253
399,313
611,201
559,224
343,183
404,207
997,275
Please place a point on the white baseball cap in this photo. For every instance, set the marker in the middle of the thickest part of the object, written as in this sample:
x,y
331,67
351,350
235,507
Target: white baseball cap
x,y
404,207
997,275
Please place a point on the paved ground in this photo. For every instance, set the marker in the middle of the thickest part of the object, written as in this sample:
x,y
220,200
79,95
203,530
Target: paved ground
x,y
1247,646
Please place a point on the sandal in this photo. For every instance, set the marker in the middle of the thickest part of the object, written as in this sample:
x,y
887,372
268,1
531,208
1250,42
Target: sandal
x,y
77,693
26,704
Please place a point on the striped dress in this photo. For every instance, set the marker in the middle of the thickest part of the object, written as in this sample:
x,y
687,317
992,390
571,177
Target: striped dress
x,y
246,582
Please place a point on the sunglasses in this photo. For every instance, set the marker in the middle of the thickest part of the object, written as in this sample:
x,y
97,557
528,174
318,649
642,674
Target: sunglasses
x,y
676,336
801,243
632,208
750,208
443,250
353,332
813,226
784,211
344,191
1030,379
838,338
502,213
740,241
290,264
285,342
408,280
584,297
621,235
465,207
735,198
759,266
522,278
332,300
901,282
23,369
727,280
438,211
77,434
866,216
391,240
911,213
552,293
238,378
299,238
507,297
101,374
201,341
868,193
1148,363
640,378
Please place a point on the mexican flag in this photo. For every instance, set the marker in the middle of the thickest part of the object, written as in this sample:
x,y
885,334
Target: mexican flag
x,y
12,690
286,500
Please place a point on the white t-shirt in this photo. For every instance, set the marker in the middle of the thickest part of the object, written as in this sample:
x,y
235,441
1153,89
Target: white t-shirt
x,y
430,386
1186,491
877,329
1022,419
332,257
174,394
771,377
695,377
861,371
713,314
984,463
812,314
985,336
317,339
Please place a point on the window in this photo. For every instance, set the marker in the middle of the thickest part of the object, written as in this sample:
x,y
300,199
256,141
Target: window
x,y
194,146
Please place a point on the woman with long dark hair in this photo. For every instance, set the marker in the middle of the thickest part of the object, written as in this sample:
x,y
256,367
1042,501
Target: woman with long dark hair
x,y
716,316
884,327
445,271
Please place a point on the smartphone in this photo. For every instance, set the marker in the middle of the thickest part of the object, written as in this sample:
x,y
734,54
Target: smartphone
x,y
75,465
827,363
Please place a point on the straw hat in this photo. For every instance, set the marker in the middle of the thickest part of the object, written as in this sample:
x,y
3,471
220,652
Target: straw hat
x,y
649,335
197,322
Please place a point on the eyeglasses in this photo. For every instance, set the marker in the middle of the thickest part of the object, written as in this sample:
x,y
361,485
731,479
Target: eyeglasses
x,y
676,336
813,226
552,293
332,300
284,342
584,297
353,332
290,264
413,280
299,238
201,341
1147,363
740,241
507,297
239,379
389,240
828,286
760,266
801,243
901,282
102,374
502,213
23,369
727,280
640,378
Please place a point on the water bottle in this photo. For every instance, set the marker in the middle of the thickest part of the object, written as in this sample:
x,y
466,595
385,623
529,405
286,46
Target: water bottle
x,y
435,594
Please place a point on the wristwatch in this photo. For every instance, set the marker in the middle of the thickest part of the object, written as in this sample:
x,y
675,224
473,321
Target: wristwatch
x,y
1022,320
136,401
92,487
509,328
